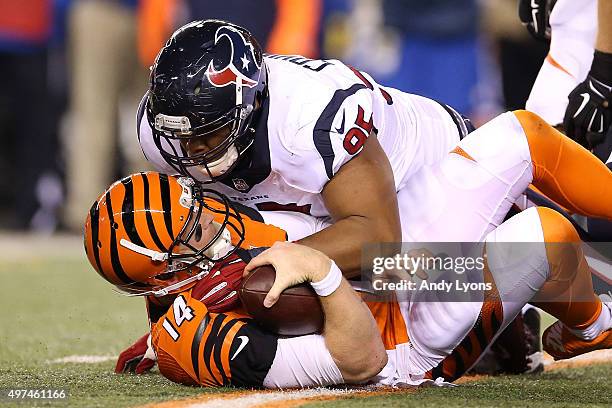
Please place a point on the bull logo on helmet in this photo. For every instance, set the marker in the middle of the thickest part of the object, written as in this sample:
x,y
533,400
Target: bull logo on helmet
x,y
242,63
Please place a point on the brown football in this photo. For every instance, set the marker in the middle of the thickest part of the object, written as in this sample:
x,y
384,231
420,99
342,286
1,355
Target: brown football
x,y
297,312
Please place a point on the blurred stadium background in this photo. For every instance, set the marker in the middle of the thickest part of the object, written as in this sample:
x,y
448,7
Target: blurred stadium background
x,y
73,71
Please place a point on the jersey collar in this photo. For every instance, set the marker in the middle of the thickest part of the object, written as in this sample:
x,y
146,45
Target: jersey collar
x,y
255,166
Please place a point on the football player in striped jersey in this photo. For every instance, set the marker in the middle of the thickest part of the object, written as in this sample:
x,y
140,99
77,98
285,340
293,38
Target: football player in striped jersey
x,y
185,248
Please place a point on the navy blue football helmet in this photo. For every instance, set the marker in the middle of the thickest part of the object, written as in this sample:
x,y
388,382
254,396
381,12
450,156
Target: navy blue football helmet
x,y
206,81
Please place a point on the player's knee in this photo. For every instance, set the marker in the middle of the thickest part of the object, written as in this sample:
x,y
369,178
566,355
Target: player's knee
x,y
563,249
531,122
542,138
556,227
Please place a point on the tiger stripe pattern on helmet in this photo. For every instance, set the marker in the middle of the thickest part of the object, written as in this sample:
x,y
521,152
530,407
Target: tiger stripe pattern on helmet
x,y
151,226
138,208
164,187
138,234
94,214
127,212
114,252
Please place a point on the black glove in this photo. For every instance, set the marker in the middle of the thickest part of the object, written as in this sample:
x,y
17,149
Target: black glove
x,y
535,15
603,151
589,113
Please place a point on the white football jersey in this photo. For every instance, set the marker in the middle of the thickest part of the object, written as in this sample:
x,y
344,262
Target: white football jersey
x,y
318,116
573,25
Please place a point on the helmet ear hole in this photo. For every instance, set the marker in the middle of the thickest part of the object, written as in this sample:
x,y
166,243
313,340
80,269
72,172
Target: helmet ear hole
x,y
99,244
197,89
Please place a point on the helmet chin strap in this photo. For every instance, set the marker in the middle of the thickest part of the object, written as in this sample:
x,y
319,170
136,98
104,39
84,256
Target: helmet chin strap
x,y
224,163
221,246
154,255
171,288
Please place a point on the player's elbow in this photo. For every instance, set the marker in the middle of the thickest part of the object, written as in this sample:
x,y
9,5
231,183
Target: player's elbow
x,y
379,228
377,363
391,233
366,359
384,230
367,366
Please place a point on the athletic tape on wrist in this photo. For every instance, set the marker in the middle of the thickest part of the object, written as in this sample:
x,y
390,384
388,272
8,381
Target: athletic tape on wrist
x,y
329,283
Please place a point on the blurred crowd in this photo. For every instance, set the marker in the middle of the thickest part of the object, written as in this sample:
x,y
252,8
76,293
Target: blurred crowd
x,y
72,73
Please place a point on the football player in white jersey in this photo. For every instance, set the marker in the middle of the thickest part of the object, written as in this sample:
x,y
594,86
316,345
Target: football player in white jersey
x,y
289,133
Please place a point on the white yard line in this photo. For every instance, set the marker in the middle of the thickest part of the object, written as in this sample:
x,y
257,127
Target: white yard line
x,y
260,398
82,359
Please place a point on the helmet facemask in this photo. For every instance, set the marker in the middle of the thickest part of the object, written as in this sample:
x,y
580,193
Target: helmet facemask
x,y
211,165
219,246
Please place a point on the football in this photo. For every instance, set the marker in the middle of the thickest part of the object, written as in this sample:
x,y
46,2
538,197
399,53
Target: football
x,y
297,312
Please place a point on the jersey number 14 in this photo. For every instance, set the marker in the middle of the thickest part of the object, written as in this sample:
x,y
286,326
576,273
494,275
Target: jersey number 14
x,y
182,312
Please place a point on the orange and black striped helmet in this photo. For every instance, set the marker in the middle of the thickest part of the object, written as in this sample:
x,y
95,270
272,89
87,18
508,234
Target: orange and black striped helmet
x,y
138,234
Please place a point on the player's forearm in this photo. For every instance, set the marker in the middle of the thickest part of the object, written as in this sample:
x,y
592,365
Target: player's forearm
x,y
604,28
351,335
362,200
344,240
350,332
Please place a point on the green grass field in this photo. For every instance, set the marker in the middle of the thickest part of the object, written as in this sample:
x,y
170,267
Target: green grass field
x,y
56,306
